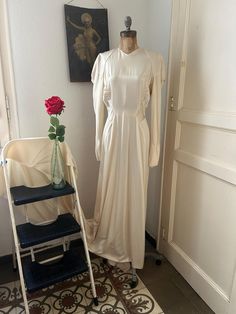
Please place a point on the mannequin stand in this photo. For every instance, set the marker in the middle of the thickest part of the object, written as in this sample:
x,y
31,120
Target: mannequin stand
x,y
134,279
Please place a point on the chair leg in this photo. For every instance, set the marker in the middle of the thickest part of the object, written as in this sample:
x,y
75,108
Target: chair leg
x,y
83,234
13,254
95,299
24,298
22,281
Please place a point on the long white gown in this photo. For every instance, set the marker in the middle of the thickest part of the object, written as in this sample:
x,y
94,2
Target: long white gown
x,y
125,84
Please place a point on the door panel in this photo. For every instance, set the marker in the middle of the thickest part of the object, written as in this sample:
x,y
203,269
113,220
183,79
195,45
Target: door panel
x,y
199,192
214,146
210,77
198,229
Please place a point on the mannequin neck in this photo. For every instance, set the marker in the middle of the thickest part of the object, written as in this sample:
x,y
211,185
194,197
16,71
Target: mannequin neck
x,y
128,44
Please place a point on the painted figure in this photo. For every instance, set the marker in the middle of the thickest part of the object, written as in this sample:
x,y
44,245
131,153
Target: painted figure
x,y
86,43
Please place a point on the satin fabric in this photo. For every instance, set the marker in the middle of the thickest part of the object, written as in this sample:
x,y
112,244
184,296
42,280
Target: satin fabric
x,y
124,84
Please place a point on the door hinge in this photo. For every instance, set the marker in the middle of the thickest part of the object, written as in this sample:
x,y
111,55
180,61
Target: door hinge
x,y
172,104
8,109
163,233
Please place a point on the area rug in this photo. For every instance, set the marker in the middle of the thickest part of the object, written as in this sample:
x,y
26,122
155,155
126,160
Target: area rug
x,y
74,295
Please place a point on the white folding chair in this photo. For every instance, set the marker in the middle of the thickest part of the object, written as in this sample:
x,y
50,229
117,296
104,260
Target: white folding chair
x,y
25,161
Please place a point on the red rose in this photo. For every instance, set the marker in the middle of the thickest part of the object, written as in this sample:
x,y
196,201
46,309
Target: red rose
x,y
54,105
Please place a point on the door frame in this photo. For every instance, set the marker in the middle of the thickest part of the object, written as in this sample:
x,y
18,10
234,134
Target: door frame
x,y
8,84
178,7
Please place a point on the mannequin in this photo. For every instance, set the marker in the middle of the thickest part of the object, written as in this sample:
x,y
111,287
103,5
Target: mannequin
x,y
128,38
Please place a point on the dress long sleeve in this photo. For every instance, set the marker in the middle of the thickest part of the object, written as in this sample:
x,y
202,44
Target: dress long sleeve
x,y
98,103
155,129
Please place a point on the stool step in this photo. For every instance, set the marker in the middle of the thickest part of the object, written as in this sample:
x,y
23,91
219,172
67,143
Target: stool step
x,y
38,276
30,235
25,195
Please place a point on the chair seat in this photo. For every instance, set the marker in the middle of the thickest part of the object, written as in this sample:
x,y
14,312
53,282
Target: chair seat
x,y
38,276
24,195
30,235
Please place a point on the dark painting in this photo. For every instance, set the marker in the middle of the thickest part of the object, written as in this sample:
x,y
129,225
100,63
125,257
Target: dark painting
x,y
87,36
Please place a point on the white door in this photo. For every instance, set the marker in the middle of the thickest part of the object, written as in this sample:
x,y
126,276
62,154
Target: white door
x,y
198,226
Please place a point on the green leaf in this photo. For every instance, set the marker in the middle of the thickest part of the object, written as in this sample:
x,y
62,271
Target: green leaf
x,y
52,136
60,130
51,129
54,121
61,139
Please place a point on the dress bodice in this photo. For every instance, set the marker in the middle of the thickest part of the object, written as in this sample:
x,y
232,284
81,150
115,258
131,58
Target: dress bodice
x,y
126,84
127,80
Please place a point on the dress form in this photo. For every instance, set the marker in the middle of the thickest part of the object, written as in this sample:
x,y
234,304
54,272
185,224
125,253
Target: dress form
x,y
128,38
126,147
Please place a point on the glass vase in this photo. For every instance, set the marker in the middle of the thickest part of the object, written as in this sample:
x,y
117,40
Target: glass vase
x,y
57,167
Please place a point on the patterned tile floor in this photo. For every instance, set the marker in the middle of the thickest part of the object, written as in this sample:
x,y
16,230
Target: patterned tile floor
x,y
74,295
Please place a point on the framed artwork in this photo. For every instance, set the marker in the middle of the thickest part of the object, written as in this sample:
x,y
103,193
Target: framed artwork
x,y
87,36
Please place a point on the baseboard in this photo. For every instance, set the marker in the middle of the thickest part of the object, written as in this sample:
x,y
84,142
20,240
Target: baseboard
x,y
150,239
205,287
5,259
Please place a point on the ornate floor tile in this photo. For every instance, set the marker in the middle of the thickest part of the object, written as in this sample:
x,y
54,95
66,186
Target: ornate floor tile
x,y
75,296
104,288
8,298
38,306
70,300
8,310
142,302
110,306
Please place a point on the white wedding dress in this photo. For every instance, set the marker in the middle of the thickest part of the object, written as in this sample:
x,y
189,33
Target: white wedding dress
x,y
124,84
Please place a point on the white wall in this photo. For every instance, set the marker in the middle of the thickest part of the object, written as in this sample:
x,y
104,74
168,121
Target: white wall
x,y
40,63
